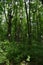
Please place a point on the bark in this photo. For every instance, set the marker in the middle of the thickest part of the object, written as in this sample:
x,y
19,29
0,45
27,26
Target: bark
x,y
28,24
9,24
17,28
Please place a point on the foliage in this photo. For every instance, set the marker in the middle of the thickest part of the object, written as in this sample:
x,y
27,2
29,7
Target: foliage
x,y
17,52
21,31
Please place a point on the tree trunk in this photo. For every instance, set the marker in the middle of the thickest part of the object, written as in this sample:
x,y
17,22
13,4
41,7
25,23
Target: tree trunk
x,y
28,24
9,24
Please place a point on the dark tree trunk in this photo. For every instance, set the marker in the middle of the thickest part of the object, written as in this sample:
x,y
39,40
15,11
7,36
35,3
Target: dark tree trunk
x,y
9,24
28,24
17,28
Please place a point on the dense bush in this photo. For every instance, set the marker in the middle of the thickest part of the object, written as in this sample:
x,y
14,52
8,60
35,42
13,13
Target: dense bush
x,y
17,52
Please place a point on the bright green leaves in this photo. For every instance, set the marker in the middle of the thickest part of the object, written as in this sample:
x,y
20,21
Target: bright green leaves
x,y
3,50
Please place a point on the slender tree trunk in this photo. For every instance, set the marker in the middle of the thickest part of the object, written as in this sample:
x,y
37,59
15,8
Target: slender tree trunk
x,y
16,35
17,26
28,23
9,24
38,25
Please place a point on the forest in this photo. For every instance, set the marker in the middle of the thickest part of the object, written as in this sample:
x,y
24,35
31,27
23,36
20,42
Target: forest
x,y
21,32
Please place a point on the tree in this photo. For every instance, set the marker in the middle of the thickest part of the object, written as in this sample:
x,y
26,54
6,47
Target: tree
x,y
21,31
